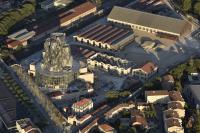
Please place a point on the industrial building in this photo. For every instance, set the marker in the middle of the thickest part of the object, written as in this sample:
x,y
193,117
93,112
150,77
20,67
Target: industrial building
x,y
160,25
77,13
106,36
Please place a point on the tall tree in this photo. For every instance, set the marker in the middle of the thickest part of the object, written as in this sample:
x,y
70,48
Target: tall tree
x,y
187,4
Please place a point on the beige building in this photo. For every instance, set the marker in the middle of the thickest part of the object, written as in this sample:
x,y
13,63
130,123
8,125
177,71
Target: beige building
x,y
157,96
172,125
106,36
145,71
105,128
77,13
149,22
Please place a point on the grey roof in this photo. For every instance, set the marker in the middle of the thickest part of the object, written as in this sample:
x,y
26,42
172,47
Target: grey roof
x,y
195,90
148,20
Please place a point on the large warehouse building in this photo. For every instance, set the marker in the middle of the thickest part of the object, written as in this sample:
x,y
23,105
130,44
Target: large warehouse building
x,y
106,36
77,13
160,25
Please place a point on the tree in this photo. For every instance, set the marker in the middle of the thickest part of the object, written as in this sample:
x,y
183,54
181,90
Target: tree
x,y
124,94
197,124
132,130
197,8
187,4
112,95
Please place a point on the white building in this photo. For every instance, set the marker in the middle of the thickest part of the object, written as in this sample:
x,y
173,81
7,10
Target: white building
x,y
82,106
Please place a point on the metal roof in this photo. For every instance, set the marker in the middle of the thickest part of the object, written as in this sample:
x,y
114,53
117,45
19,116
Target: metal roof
x,y
145,19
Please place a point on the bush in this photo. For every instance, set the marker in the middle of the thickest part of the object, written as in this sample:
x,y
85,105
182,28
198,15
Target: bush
x,y
14,16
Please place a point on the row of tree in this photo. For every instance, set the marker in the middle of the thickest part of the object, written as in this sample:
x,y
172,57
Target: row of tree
x,y
12,17
113,95
190,6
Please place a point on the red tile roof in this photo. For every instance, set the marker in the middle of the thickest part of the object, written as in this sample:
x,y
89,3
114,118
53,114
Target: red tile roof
x,y
175,96
83,102
12,43
66,16
148,67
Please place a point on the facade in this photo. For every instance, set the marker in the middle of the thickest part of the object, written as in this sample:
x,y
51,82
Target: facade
x,y
79,121
110,64
172,125
82,106
138,120
54,72
106,36
26,126
148,22
19,38
77,13
159,96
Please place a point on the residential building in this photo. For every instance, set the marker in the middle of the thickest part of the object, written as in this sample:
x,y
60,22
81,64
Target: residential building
x,y
142,105
138,120
168,82
82,106
170,114
111,64
114,111
172,125
177,106
145,71
26,126
152,23
157,96
106,36
106,128
77,13
48,4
